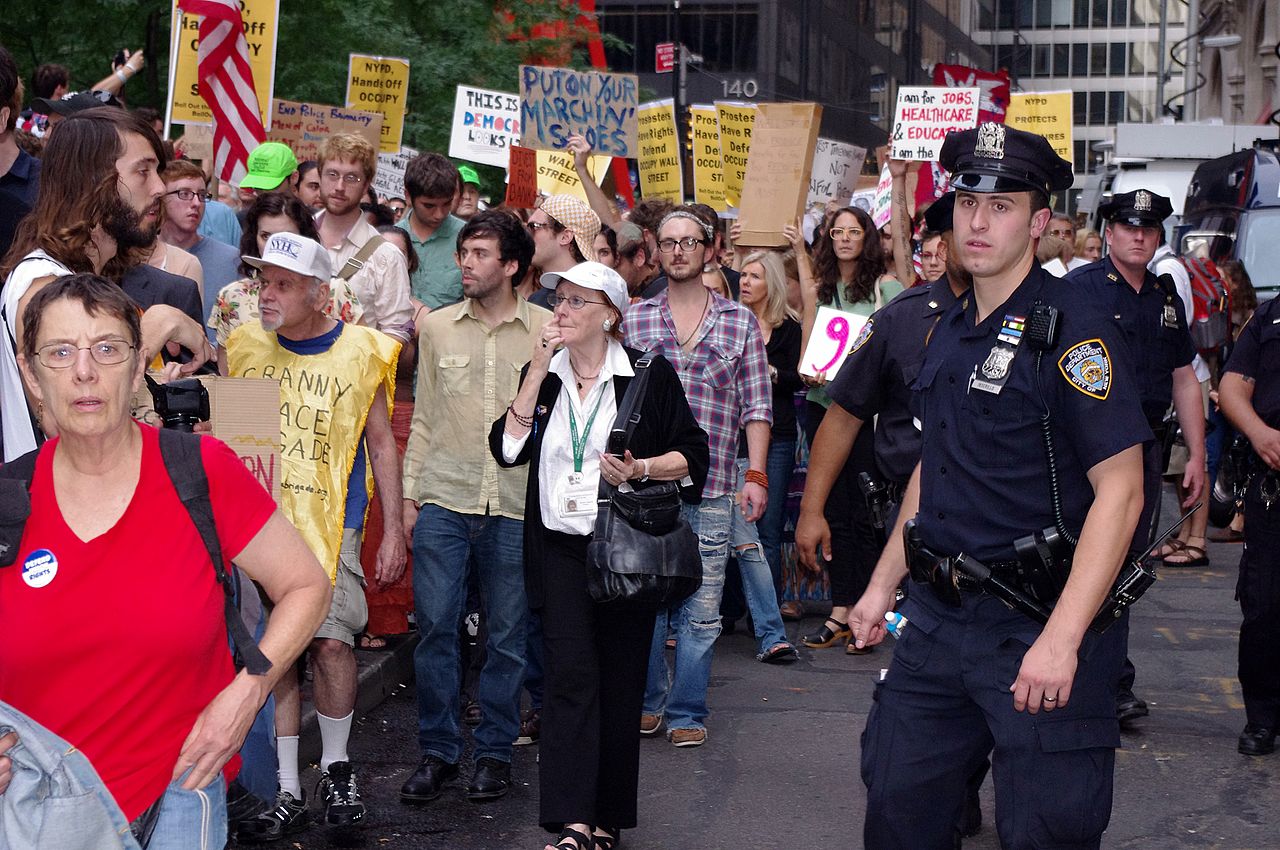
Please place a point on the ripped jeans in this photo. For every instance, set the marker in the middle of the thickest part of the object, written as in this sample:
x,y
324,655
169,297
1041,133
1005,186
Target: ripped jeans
x,y
680,695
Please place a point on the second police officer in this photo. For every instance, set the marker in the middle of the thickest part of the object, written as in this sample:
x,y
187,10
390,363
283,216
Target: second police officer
x,y
972,673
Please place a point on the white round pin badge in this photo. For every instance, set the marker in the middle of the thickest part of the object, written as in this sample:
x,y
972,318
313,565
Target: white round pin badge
x,y
39,568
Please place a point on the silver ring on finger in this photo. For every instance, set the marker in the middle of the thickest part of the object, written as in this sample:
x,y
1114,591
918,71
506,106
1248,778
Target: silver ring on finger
x,y
1050,699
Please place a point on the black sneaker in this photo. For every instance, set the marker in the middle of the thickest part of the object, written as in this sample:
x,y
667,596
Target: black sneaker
x,y
337,788
288,816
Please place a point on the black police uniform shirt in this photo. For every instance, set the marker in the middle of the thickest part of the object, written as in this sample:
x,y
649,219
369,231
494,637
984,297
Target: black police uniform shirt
x,y
1153,322
1257,356
875,379
984,472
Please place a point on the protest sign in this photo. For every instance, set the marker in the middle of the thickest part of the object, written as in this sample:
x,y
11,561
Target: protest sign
x,y
380,84
836,335
777,179
522,178
735,122
556,175
304,126
388,181
708,171
880,210
556,103
1046,114
658,155
485,125
836,167
924,116
993,86
261,19
196,142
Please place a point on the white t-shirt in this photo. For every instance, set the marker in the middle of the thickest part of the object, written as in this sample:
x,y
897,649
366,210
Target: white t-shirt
x,y
1057,269
19,436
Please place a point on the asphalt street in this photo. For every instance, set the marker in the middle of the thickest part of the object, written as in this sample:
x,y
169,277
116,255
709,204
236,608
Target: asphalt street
x,y
780,768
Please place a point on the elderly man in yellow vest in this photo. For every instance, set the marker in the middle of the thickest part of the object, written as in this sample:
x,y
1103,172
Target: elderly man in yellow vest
x,y
336,385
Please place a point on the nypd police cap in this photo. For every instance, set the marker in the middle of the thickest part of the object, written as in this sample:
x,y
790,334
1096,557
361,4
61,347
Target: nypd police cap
x,y
995,158
938,217
1140,208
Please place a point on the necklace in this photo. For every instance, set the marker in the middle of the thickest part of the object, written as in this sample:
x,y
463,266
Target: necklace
x,y
703,315
581,377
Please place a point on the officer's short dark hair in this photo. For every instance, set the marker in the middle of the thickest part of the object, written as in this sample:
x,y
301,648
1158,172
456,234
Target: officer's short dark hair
x,y
430,175
47,78
514,241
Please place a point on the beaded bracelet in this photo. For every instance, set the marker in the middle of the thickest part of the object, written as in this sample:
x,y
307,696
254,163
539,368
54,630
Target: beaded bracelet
x,y
755,476
526,421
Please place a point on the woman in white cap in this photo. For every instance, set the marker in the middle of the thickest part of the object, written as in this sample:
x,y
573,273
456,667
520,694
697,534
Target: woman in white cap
x,y
596,655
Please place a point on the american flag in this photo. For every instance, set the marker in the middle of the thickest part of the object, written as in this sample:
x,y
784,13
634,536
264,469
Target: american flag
x,y
226,84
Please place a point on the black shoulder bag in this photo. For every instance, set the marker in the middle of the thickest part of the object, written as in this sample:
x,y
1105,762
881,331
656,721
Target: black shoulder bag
x,y
642,550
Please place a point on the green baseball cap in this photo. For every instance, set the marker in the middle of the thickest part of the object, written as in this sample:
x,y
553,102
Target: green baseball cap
x,y
469,174
269,164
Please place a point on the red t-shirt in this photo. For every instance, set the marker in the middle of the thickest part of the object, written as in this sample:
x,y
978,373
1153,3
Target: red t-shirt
x,y
117,644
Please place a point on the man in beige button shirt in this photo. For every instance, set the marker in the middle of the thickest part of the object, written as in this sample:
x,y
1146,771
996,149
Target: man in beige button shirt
x,y
465,513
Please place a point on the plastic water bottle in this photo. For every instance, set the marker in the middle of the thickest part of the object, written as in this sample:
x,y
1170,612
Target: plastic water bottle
x,y
895,623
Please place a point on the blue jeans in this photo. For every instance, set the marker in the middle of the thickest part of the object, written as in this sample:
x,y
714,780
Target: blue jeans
x,y
192,820
757,581
682,693
446,544
779,466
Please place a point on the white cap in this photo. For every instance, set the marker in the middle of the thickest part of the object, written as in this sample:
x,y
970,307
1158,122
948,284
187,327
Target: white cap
x,y
295,253
595,276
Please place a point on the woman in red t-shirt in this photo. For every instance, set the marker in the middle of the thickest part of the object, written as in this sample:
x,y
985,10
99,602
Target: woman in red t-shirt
x,y
136,671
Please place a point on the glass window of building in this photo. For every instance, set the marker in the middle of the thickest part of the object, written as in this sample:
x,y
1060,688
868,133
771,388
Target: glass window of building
x,y
1079,107
1062,59
1099,17
1079,60
1098,60
1119,59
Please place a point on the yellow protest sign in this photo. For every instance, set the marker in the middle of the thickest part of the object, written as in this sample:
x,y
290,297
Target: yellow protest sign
x,y
380,84
735,122
1046,114
261,23
708,173
557,177
659,152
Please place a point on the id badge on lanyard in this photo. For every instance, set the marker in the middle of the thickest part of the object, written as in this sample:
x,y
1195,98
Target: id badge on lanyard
x,y
992,375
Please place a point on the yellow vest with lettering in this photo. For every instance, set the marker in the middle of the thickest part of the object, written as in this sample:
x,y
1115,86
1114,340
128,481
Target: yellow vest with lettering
x,y
324,402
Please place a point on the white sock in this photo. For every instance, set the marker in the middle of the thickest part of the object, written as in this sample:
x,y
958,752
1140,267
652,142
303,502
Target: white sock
x,y
334,732
287,753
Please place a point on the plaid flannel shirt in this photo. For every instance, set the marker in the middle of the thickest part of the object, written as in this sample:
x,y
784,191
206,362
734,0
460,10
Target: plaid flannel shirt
x,y
725,375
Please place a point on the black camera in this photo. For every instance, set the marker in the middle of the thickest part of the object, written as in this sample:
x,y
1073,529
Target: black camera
x,y
180,404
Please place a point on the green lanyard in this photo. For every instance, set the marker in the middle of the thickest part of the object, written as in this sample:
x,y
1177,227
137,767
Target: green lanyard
x,y
580,444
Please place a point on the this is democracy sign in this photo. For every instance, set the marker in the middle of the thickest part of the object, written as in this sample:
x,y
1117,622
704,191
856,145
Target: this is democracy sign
x,y
485,125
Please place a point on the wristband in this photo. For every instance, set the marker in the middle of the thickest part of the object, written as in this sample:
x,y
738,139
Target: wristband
x,y
644,461
123,78
755,476
526,421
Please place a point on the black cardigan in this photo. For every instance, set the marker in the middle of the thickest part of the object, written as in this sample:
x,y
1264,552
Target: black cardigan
x,y
666,424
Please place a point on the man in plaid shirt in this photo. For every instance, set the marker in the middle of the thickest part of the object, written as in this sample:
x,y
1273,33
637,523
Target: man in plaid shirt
x,y
716,347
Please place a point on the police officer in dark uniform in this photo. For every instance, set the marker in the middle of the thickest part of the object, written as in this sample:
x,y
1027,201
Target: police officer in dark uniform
x,y
1152,321
971,672
1249,394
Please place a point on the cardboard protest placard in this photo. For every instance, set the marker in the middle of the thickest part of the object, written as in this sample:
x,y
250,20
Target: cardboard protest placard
x,y
836,335
926,114
485,125
388,181
777,180
734,122
380,84
658,155
1046,114
522,177
261,19
556,175
556,103
708,170
196,142
836,166
304,126
880,208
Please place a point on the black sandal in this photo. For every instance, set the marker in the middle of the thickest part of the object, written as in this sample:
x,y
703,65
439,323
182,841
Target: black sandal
x,y
611,838
571,839
826,636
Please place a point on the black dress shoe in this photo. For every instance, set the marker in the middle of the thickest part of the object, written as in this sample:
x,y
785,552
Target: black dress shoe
x,y
491,780
1129,708
428,780
1257,740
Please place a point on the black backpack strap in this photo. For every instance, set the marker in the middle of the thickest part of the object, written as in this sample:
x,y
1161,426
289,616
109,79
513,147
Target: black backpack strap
x,y
182,459
15,503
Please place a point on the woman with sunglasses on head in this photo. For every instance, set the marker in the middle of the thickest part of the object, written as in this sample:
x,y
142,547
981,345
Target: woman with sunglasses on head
x,y
848,274
595,655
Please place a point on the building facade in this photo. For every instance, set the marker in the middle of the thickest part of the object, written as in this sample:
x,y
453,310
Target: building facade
x,y
1241,85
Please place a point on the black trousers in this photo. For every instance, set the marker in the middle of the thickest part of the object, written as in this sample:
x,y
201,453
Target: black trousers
x,y
1259,593
596,658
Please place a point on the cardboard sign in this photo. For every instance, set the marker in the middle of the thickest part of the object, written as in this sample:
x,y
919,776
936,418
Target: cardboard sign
x,y
658,155
304,126
1046,114
836,167
196,142
880,207
522,178
485,125
708,168
777,180
261,20
556,174
835,333
388,180
926,114
380,84
735,122
556,103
